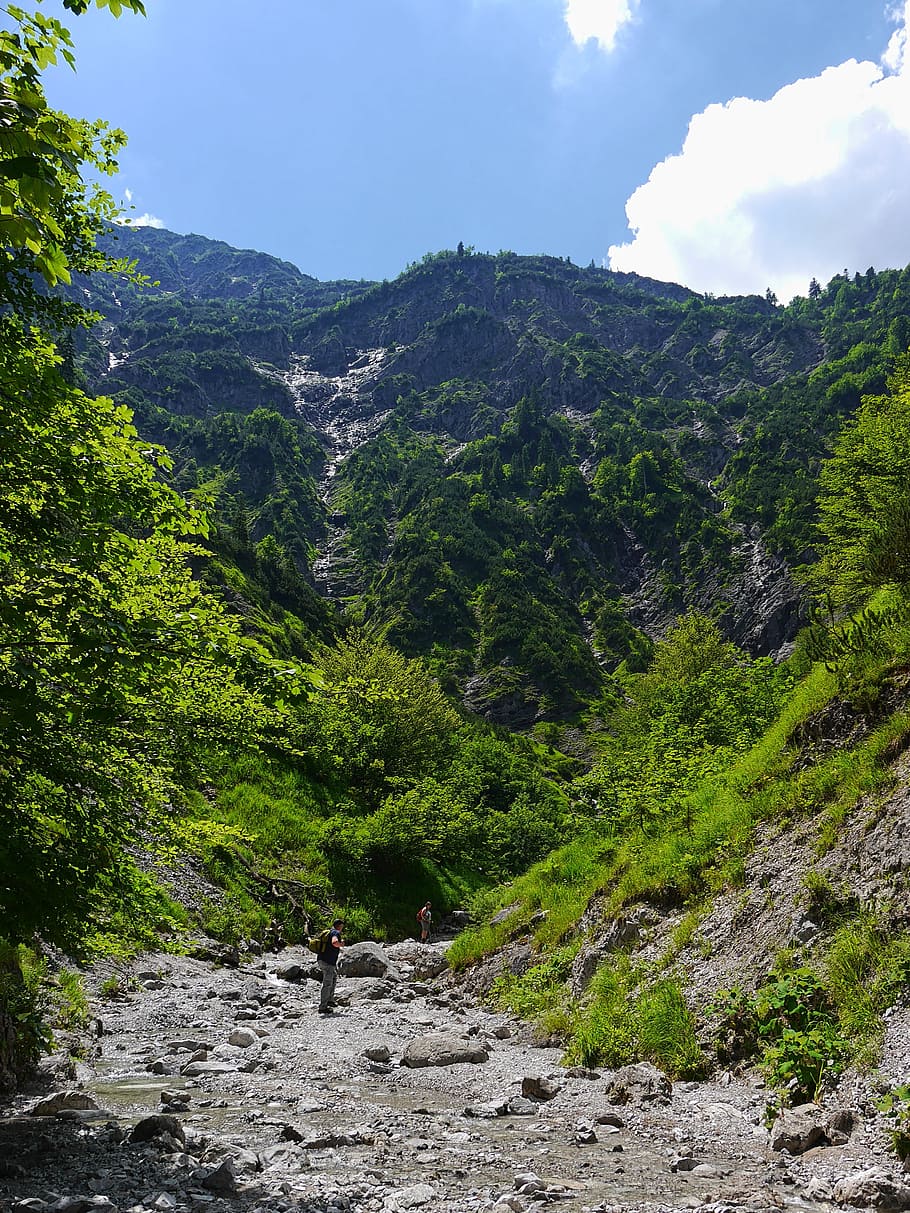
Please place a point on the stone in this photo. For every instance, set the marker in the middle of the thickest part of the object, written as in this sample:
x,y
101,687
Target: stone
x,y
638,1083
442,1049
377,1053
537,1087
242,1038
873,1188
158,1125
413,1197
194,1069
174,1097
222,1180
64,1101
366,959
291,972
611,1120
797,1130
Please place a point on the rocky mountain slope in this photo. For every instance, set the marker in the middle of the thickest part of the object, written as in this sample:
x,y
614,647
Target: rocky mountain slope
x,y
492,440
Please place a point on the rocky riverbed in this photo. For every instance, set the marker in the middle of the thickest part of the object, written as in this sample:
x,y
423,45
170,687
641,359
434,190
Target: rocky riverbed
x,y
218,1087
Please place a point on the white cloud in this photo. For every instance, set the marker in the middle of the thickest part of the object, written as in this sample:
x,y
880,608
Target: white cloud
x,y
598,20
775,192
131,220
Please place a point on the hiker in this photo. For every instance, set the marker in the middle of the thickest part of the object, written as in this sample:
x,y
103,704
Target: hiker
x,y
425,918
327,960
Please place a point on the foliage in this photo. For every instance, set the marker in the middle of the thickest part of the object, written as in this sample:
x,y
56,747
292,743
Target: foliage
x,y
49,216
791,1023
864,509
114,663
895,1105
538,991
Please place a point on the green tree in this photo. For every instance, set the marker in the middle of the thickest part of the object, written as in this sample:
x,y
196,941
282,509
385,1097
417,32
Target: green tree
x,y
864,499
379,718
114,662
50,214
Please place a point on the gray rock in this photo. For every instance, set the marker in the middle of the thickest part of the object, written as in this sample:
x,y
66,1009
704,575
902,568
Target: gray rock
x,y
242,1038
873,1188
413,1197
174,1097
194,1069
291,972
64,1101
222,1180
379,1053
159,1125
366,959
442,1049
638,1083
797,1130
537,1087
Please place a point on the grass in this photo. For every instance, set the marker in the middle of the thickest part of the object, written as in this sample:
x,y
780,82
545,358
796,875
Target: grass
x,y
631,1012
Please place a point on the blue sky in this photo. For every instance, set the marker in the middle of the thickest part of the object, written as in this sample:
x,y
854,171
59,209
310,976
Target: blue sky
x,y
754,142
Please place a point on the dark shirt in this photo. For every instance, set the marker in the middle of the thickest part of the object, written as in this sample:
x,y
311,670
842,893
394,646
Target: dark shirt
x,y
330,955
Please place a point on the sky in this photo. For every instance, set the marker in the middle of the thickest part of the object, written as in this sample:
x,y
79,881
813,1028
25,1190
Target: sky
x,y
729,145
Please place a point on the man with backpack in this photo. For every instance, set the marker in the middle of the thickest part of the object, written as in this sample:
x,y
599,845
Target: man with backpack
x,y
327,960
425,919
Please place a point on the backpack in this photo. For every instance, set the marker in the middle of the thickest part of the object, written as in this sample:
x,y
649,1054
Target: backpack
x,y
422,914
319,943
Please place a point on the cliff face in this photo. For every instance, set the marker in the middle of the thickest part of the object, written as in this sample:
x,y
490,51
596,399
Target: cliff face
x,y
527,468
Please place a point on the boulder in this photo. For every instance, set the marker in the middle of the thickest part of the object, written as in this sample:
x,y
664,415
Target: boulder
x,y
366,959
242,1038
639,1083
159,1125
797,1130
377,1053
442,1049
64,1101
536,1087
290,972
874,1188
222,1180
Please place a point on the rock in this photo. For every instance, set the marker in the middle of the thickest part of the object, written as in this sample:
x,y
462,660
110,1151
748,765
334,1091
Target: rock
x,y
64,1101
519,1106
194,1069
160,1066
638,1083
222,1180
583,1072
442,1049
873,1188
611,1120
839,1125
503,915
482,1111
366,959
537,1087
242,1038
158,1125
377,1053
413,1197
799,1129
174,1097
290,972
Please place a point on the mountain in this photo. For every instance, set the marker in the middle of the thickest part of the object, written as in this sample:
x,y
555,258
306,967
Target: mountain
x,y
521,469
